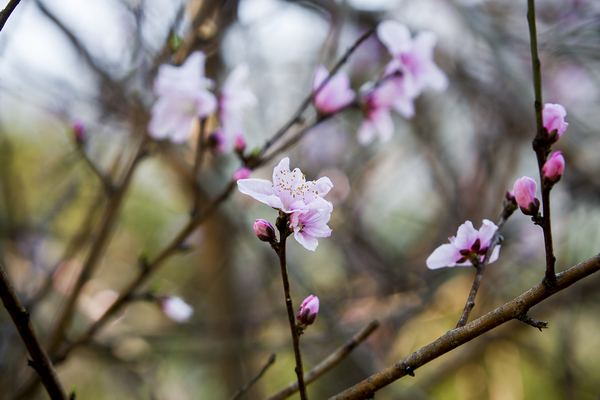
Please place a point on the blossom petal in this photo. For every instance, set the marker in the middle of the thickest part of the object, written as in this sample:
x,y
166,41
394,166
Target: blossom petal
x,y
309,242
486,232
466,236
394,36
444,256
258,189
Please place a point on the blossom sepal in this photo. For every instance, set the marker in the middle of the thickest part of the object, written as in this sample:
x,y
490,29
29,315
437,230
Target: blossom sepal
x,y
533,209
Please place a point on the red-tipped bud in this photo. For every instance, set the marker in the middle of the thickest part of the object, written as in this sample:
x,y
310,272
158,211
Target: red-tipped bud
x,y
525,189
554,168
264,230
78,131
307,313
242,173
239,144
553,118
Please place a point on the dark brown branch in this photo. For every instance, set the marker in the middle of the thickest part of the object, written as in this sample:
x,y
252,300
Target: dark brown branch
x,y
4,14
541,145
247,386
284,232
106,183
41,362
327,364
459,336
530,321
509,207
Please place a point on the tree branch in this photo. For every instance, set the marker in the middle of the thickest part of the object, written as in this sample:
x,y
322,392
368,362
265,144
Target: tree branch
x,y
327,364
4,14
41,362
459,336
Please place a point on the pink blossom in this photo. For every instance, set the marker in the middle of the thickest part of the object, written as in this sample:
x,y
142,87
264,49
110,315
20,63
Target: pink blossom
x,y
525,189
311,223
242,173
307,313
335,95
554,167
176,309
235,98
289,192
376,106
264,230
467,243
413,58
553,117
182,97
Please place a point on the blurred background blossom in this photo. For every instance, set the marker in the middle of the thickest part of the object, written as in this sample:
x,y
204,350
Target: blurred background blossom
x,y
394,202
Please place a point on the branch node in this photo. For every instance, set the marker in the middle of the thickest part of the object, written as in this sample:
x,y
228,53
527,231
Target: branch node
x,y
409,371
530,321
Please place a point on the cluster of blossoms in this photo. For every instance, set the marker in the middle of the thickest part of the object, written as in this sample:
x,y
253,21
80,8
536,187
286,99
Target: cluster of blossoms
x,y
553,118
291,193
469,242
405,77
184,96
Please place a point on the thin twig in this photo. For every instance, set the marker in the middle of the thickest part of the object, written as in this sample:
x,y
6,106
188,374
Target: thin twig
x,y
331,361
310,98
459,336
284,232
108,222
41,362
106,183
530,321
541,145
247,386
509,207
4,14
200,149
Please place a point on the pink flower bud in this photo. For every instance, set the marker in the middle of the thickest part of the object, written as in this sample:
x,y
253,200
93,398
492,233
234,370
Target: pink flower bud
x,y
553,117
264,230
176,309
554,167
525,189
239,144
78,130
242,173
307,313
510,195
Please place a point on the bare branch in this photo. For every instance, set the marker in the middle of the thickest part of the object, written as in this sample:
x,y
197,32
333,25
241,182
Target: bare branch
x,y
41,362
459,336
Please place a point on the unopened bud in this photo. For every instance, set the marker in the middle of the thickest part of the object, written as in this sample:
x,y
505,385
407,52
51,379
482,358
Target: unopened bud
x,y
264,230
554,168
78,131
307,313
239,144
242,173
525,189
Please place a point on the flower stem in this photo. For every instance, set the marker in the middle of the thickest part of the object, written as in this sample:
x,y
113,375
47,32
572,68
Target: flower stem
x,y
509,208
541,146
282,226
